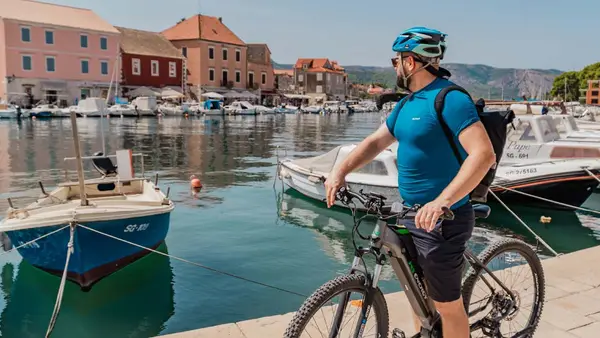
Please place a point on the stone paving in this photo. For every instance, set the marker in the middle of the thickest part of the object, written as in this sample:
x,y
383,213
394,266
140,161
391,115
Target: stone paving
x,y
571,310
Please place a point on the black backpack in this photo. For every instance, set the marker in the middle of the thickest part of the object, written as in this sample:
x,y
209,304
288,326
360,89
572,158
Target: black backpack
x,y
495,123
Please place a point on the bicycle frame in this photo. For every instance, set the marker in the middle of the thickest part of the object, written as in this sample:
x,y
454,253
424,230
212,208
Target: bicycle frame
x,y
388,243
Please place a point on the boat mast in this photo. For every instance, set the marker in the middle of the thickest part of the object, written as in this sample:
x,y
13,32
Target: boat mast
x,y
78,160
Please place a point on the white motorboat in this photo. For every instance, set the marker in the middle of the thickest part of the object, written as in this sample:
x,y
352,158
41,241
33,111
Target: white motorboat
x,y
287,109
565,181
264,110
169,108
46,110
315,109
240,108
11,112
92,107
571,128
536,137
124,110
145,106
333,107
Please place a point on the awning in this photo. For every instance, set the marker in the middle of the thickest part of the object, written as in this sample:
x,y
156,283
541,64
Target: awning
x,y
143,91
247,94
53,85
232,94
296,96
213,95
170,93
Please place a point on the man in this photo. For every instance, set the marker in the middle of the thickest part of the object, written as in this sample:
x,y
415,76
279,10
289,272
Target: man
x,y
429,173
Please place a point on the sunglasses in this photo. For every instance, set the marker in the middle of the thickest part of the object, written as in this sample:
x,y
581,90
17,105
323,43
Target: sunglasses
x,y
396,60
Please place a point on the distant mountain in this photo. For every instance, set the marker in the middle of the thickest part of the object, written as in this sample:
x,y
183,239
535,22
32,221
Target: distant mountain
x,y
479,80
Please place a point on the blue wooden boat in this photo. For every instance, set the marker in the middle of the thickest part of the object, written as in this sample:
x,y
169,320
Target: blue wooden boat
x,y
132,209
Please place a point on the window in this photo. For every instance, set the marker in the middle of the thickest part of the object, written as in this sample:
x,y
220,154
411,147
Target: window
x,y
594,101
224,54
49,37
85,66
319,89
300,78
154,68
251,78
135,67
264,78
25,34
83,41
104,67
238,76
305,66
328,77
238,55
319,76
184,51
50,64
103,43
594,93
225,75
85,93
26,62
211,53
172,69
211,75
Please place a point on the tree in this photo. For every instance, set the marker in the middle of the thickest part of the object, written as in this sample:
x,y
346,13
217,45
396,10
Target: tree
x,y
572,80
591,72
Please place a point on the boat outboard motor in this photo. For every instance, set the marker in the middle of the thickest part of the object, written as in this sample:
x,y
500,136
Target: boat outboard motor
x,y
104,165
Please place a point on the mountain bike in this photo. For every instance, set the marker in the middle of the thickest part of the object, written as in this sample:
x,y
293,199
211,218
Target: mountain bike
x,y
491,316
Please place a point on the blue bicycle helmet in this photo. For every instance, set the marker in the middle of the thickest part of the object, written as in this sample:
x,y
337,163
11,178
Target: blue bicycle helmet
x,y
422,41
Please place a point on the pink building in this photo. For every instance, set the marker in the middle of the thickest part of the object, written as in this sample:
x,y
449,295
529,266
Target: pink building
x,y
55,53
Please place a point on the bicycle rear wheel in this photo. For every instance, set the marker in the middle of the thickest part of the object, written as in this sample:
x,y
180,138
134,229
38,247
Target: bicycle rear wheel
x,y
315,317
485,299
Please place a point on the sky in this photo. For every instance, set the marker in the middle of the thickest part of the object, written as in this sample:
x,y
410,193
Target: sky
x,y
543,34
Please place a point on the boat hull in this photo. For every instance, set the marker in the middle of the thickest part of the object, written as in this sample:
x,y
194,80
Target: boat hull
x,y
95,256
571,190
311,187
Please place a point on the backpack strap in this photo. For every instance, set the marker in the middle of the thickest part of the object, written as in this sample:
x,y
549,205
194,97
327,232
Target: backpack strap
x,y
439,108
402,103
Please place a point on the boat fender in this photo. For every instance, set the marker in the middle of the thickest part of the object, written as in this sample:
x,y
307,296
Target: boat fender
x,y
545,219
195,184
6,243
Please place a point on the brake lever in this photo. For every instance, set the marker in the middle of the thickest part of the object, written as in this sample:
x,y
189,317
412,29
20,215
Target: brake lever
x,y
448,214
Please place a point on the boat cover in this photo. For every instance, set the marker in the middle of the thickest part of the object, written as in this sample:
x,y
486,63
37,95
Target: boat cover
x,y
322,163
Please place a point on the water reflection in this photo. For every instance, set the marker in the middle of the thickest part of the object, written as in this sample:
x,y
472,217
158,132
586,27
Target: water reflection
x,y
117,307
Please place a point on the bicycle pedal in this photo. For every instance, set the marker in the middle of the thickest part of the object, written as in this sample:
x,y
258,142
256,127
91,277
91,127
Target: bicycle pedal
x,y
397,333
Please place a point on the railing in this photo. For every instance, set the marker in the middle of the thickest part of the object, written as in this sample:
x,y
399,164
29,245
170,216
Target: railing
x,y
107,156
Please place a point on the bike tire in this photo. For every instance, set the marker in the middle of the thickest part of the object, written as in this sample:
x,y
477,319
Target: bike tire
x,y
354,282
495,249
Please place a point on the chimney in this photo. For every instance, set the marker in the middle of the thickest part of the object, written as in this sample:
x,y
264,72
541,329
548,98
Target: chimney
x,y
220,19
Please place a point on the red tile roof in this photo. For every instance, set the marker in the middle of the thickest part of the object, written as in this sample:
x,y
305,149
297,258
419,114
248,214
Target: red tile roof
x,y
202,27
319,65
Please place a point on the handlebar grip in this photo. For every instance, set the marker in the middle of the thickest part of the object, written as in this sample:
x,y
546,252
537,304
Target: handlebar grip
x,y
448,214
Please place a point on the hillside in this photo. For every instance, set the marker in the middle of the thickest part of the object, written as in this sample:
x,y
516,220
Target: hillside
x,y
480,80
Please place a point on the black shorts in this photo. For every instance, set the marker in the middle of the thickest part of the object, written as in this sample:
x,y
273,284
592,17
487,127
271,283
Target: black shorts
x,y
440,253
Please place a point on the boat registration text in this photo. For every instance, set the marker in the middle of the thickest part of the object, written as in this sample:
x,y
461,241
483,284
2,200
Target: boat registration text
x,y
136,227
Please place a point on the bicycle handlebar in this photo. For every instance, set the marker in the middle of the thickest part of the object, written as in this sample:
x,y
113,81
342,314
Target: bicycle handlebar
x,y
376,201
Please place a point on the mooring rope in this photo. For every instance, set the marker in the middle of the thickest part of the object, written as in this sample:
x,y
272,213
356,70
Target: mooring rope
x,y
591,173
524,224
34,240
196,264
546,200
61,288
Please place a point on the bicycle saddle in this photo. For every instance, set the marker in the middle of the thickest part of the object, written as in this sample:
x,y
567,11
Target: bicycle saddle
x,y
481,210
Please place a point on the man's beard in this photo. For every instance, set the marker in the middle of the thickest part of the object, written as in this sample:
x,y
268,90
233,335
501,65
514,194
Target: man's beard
x,y
403,82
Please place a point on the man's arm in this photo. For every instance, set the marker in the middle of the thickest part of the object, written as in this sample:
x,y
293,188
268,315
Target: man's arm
x,y
366,151
480,159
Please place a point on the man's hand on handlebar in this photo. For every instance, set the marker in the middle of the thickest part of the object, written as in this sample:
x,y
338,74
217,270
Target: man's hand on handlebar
x,y
333,183
429,214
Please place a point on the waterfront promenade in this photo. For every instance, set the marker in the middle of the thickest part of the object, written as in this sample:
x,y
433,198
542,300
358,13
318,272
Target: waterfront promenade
x,y
572,308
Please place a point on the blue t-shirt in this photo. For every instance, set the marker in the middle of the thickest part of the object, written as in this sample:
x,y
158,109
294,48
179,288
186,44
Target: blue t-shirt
x,y
426,162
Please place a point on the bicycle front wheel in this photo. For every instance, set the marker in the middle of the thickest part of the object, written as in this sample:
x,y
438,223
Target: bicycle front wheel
x,y
339,301
518,268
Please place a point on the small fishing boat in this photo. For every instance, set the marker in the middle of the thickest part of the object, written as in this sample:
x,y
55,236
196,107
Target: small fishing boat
x,y
118,204
210,108
171,109
314,109
307,175
11,112
240,108
565,181
286,109
46,110
122,110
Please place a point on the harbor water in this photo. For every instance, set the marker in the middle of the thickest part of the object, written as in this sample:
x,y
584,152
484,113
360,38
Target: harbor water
x,y
243,223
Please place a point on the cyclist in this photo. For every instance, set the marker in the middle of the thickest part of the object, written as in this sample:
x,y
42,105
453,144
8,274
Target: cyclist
x,y
428,171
